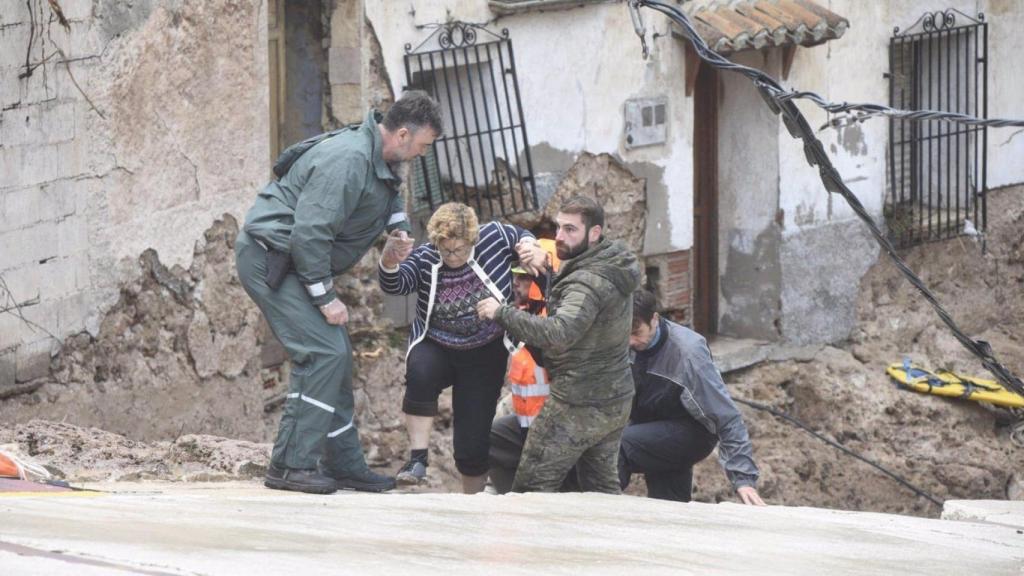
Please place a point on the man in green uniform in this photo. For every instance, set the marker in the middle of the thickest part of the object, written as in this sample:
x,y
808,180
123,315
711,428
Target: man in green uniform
x,y
326,210
585,340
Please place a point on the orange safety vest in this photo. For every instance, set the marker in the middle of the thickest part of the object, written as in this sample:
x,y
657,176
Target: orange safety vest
x,y
529,384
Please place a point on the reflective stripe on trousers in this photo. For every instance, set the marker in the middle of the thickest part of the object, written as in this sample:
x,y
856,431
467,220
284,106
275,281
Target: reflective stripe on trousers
x,y
322,406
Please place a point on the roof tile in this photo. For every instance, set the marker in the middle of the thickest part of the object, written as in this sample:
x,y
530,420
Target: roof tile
x,y
736,26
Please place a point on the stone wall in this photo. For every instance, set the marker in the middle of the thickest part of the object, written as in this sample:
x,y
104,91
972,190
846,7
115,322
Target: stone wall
x,y
129,128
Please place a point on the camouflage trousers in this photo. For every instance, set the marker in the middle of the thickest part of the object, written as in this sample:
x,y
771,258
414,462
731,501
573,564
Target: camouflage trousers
x,y
565,435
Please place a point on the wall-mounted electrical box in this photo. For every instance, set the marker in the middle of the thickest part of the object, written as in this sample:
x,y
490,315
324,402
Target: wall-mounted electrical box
x,y
646,122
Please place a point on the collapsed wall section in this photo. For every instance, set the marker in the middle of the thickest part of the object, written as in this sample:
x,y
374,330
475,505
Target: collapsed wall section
x,y
123,127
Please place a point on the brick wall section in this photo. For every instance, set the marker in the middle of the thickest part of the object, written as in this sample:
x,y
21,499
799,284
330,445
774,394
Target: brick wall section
x,y
44,259
676,290
669,277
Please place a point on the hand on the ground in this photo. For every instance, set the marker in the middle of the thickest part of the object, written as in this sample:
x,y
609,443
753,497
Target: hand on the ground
x,y
531,256
335,312
487,307
396,249
749,495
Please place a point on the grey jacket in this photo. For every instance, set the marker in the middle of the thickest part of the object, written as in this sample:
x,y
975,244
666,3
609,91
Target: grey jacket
x,y
685,361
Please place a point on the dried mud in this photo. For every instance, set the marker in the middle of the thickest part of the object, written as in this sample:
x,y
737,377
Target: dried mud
x,y
179,367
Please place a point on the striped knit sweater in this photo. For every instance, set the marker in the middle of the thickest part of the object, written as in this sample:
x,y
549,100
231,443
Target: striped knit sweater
x,y
494,251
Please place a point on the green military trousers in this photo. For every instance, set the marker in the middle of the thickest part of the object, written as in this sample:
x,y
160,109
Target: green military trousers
x,y
565,435
317,425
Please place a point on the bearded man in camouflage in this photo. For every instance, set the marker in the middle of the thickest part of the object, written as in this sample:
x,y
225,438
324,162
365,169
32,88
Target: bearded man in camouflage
x,y
585,339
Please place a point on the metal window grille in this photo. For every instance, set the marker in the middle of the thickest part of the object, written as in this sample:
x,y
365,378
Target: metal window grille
x,y
937,170
483,157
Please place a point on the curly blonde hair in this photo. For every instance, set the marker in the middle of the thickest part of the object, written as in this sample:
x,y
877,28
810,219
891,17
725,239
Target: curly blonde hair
x,y
453,221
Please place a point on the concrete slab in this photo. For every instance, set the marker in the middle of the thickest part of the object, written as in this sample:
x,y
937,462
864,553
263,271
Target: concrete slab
x,y
1003,512
733,354
243,528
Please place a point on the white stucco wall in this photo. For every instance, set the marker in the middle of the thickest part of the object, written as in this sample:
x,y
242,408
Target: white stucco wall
x,y
576,69
1006,87
852,69
578,66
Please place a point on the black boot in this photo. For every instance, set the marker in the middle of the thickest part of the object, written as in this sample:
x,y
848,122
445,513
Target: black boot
x,y
298,480
365,481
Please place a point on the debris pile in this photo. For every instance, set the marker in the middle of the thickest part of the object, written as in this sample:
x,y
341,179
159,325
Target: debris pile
x,y
948,448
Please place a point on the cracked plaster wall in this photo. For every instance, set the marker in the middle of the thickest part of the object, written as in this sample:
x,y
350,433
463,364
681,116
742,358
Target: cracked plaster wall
x,y
576,68
574,105
175,135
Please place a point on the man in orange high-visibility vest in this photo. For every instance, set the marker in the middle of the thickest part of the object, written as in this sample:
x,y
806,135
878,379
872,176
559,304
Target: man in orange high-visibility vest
x,y
527,381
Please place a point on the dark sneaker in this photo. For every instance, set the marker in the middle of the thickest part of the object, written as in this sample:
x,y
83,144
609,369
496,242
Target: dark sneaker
x,y
298,480
366,481
411,473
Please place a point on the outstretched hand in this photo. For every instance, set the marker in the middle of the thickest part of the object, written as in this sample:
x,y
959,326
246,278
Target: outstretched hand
x,y
397,248
749,495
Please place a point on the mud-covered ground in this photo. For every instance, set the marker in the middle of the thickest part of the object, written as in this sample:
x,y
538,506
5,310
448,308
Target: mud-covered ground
x,y
180,365
948,448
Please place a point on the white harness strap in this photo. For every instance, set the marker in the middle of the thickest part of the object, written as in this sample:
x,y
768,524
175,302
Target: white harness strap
x,y
493,288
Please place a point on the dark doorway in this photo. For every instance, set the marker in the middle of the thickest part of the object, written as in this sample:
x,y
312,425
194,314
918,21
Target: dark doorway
x,y
296,67
705,202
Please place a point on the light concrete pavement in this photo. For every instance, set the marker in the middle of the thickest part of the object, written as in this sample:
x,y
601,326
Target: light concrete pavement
x,y
246,529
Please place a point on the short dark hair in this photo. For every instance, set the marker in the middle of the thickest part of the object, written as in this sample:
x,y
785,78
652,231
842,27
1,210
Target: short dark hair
x,y
414,110
644,307
588,208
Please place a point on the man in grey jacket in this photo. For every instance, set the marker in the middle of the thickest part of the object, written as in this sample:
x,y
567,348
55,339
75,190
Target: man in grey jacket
x,y
680,411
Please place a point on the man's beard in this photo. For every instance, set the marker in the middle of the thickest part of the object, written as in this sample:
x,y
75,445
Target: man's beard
x,y
566,253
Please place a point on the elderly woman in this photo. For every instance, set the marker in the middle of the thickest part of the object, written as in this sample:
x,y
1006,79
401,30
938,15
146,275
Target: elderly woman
x,y
450,345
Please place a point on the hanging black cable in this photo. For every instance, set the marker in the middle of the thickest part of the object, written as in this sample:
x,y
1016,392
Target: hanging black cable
x,y
781,102
841,448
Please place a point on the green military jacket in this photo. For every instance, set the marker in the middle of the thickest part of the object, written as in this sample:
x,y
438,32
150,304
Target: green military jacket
x,y
330,207
585,336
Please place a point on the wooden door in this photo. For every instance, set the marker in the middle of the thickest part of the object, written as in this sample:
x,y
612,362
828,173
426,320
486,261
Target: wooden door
x,y
276,73
705,202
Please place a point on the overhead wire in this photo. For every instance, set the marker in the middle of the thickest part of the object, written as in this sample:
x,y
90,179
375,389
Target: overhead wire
x,y
784,416
781,102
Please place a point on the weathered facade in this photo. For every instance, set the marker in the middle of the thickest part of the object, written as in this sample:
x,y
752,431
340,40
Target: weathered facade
x,y
131,128
776,232
136,126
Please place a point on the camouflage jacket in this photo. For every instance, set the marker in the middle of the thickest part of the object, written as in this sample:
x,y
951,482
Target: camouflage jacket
x,y
585,336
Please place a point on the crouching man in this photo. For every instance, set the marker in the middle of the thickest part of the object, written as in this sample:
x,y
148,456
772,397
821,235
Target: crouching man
x,y
680,411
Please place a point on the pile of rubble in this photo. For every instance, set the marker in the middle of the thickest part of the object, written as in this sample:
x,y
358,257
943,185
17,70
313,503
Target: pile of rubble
x,y
183,361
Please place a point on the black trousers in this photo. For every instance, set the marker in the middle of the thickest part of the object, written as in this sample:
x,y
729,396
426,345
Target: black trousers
x,y
476,377
664,451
